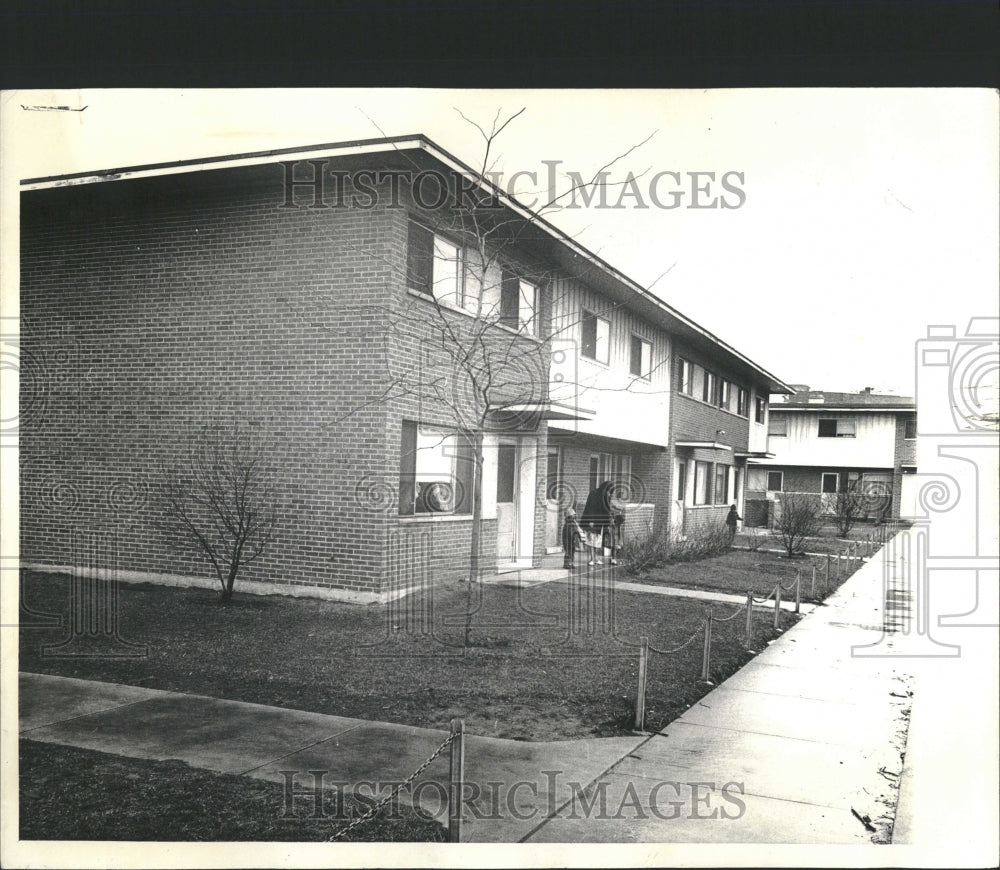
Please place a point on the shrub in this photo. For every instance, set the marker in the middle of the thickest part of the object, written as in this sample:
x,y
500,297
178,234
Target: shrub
x,y
753,537
799,519
656,548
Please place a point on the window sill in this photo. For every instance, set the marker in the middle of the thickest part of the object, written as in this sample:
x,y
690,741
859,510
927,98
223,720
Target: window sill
x,y
435,518
457,309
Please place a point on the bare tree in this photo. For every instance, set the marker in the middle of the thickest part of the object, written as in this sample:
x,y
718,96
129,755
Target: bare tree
x,y
222,503
799,519
849,507
479,332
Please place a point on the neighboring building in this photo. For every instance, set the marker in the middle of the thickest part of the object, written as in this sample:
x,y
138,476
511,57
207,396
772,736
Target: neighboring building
x,y
824,443
330,298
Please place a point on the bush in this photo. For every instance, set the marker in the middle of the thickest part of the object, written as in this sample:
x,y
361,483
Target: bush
x,y
799,519
656,549
754,538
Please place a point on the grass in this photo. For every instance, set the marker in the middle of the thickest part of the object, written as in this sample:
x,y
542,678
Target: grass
x,y
740,570
78,794
531,672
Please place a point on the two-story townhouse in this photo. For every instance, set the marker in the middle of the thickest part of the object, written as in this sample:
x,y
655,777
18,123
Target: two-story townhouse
x,y
397,328
825,443
719,417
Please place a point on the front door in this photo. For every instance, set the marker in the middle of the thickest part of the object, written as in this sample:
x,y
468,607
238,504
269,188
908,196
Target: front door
x,y
507,491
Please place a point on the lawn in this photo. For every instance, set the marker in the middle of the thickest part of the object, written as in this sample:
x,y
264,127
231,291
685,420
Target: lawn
x,y
741,570
78,794
547,663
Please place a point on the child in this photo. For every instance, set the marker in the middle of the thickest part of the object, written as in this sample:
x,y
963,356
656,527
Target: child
x,y
571,534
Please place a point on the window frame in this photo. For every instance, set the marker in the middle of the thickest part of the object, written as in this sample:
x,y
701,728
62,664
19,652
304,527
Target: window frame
x,y
722,498
685,372
836,482
781,421
460,475
760,410
645,371
704,483
743,402
910,426
586,316
781,481
710,388
837,433
725,390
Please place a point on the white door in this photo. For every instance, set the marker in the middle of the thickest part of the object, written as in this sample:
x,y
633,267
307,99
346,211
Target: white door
x,y
553,509
507,493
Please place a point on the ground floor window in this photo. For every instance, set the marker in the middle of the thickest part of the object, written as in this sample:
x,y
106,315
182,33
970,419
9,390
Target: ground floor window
x,y
721,484
616,467
774,481
830,481
435,471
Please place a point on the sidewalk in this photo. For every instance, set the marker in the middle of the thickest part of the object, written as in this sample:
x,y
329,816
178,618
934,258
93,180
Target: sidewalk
x,y
780,753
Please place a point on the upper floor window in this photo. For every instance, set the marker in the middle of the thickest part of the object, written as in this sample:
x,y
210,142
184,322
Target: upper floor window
x,y
686,380
725,391
910,428
836,427
709,388
742,402
760,410
518,303
595,337
777,425
641,358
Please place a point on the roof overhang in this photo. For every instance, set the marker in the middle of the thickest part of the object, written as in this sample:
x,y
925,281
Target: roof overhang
x,y
754,454
416,149
854,409
543,411
704,445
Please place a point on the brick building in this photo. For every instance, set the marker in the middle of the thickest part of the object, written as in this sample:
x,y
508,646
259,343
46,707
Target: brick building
x,y
380,318
824,443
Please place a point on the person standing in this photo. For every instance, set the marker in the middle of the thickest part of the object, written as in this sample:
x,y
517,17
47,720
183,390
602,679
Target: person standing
x,y
599,520
571,535
731,519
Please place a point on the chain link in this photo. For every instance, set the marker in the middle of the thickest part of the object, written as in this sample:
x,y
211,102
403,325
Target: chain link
x,y
665,652
768,597
739,610
375,809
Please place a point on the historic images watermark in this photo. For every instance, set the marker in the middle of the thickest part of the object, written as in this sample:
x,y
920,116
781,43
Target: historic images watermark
x,y
958,430
318,794
313,184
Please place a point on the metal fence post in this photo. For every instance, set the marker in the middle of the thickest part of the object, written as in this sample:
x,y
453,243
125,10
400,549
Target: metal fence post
x,y
777,605
456,776
640,696
706,653
749,635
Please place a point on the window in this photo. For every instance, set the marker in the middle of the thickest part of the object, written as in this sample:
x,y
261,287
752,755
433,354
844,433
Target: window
x,y
721,484
774,481
435,266
509,293
641,358
595,337
743,403
830,481
724,392
686,381
527,311
702,482
616,467
435,471
681,481
837,427
777,425
910,428
760,411
709,388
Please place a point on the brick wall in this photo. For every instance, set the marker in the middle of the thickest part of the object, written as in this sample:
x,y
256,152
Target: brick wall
x,y
152,307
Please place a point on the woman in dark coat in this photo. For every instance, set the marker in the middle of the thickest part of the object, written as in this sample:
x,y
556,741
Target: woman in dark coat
x,y
598,516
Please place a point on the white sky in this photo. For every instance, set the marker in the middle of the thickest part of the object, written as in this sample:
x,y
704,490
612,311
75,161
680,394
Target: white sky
x,y
869,214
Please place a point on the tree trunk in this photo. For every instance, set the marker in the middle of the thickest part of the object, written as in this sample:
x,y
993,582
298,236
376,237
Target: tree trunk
x,y
475,572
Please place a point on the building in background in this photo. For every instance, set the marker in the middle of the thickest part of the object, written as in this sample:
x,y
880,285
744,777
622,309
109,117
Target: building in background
x,y
824,443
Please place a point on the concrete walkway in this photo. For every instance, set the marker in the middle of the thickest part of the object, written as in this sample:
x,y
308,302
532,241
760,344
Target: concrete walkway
x,y
785,751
